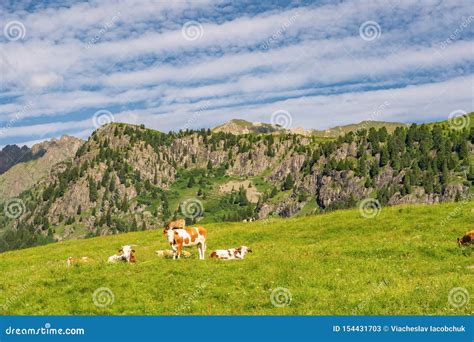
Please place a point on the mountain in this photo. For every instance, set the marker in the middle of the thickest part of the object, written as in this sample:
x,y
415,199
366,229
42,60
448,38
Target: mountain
x,y
368,124
47,154
237,126
11,155
128,178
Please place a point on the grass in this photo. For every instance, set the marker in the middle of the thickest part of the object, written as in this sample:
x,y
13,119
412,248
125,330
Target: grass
x,y
405,261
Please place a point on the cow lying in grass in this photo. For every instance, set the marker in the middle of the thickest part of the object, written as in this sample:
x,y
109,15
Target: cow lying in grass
x,y
179,238
467,239
169,253
126,253
232,253
83,260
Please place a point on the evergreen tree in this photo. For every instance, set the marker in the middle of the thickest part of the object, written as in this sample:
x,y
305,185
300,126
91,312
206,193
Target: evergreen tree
x,y
384,156
288,183
92,190
191,182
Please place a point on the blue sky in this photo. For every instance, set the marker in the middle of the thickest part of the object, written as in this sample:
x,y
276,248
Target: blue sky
x,y
67,67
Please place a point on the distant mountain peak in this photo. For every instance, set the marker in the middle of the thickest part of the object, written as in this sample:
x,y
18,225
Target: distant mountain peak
x,y
240,126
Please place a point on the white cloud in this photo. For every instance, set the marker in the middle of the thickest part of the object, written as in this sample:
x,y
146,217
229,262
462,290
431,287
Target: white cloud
x,y
310,59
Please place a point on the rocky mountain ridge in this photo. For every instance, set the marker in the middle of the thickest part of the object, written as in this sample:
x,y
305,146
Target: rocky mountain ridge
x,y
127,177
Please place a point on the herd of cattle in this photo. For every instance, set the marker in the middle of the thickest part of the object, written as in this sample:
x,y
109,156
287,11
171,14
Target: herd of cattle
x,y
178,237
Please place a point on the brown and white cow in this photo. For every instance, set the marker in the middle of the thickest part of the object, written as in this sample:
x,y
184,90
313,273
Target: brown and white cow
x,y
467,239
180,224
82,260
193,236
231,253
126,253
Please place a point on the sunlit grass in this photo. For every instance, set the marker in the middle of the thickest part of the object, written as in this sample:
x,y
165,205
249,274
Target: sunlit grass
x,y
405,261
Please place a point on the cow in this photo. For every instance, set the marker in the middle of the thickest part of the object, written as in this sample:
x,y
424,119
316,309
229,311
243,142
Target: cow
x,y
81,260
231,253
126,253
467,239
169,253
193,236
180,224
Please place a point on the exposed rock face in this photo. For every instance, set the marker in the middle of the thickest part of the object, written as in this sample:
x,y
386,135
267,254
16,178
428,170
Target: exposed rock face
x,y
45,156
340,187
124,174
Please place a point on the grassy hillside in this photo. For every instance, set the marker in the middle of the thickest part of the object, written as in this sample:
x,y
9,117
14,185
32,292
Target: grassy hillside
x,y
405,261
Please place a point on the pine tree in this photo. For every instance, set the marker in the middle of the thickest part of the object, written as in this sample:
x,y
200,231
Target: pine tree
x,y
92,190
384,156
444,175
288,183
406,184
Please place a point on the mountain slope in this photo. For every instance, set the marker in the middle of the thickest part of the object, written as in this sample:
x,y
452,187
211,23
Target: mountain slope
x,y
127,178
25,175
341,130
403,262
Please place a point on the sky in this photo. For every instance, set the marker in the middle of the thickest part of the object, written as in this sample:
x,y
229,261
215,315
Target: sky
x,y
68,67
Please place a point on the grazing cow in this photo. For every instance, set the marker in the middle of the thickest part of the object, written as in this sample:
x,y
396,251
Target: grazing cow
x,y
82,260
193,236
231,253
126,253
467,239
169,253
180,224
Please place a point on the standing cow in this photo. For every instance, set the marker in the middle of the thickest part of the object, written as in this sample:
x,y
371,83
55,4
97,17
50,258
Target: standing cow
x,y
193,236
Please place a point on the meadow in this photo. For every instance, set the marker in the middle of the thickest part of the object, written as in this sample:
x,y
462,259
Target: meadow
x,y
404,261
